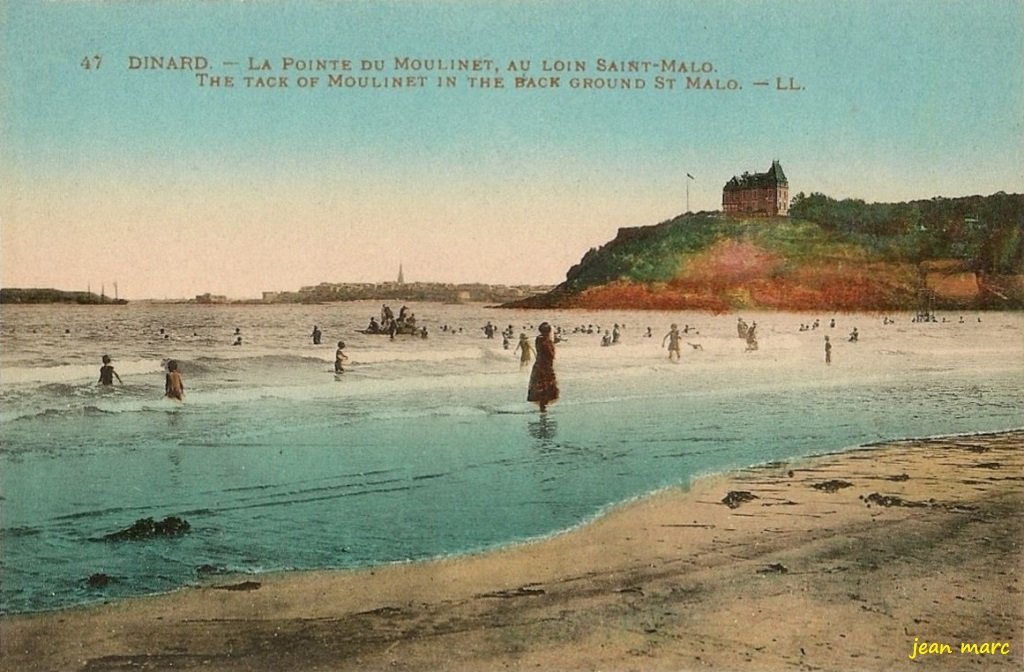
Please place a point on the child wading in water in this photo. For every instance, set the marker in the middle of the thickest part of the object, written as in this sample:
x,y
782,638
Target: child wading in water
x,y
107,373
174,386
340,358
673,342
526,349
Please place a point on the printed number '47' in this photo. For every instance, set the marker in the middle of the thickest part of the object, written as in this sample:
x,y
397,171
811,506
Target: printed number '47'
x,y
92,62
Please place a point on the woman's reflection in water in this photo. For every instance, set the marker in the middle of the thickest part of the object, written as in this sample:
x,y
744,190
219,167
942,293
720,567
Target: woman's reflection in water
x,y
543,430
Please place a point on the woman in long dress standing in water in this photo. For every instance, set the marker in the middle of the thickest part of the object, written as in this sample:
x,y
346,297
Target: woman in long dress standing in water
x,y
543,386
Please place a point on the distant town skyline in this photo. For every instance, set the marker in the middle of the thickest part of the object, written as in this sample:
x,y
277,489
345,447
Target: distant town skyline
x,y
115,173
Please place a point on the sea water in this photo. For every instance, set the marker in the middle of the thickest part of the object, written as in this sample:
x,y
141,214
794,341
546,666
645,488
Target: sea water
x,y
423,447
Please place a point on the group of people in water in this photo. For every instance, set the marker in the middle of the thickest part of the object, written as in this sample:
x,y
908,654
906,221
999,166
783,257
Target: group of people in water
x,y
926,316
542,390
543,386
390,325
174,386
748,332
339,355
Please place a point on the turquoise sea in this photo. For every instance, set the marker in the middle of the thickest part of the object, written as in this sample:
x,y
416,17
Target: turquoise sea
x,y
423,447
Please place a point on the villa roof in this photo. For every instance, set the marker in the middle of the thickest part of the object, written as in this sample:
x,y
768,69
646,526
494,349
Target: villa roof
x,y
774,177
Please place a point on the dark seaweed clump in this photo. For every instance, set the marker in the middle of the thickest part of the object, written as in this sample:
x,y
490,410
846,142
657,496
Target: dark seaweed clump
x,y
147,528
834,485
737,497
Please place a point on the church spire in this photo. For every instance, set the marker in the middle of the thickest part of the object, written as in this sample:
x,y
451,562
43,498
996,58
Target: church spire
x,y
401,275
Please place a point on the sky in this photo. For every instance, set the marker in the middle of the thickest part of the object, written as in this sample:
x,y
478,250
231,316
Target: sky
x,y
170,189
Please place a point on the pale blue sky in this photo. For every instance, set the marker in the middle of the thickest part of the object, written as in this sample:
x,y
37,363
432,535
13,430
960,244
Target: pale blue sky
x,y
109,172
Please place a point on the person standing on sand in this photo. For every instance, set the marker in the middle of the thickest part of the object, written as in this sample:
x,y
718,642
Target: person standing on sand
x,y
673,339
828,351
174,386
543,388
316,335
107,373
526,351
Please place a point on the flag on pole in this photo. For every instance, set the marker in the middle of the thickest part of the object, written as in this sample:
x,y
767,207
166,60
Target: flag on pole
x,y
691,176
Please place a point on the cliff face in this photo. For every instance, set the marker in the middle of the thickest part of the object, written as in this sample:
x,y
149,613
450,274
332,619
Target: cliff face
x,y
709,261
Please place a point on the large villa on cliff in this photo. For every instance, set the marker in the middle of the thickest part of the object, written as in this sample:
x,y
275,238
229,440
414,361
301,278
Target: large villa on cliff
x,y
760,194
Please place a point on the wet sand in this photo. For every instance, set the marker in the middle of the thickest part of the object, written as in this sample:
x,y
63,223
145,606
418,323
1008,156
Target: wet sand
x,y
831,563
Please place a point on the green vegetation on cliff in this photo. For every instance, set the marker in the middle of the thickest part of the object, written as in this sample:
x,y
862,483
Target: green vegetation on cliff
x,y
983,233
829,254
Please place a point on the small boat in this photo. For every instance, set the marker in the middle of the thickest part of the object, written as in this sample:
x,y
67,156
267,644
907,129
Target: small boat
x,y
400,330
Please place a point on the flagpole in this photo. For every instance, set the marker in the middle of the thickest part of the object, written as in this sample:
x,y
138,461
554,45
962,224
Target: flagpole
x,y
688,178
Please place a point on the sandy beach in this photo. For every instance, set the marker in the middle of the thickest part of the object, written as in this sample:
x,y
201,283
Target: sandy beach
x,y
838,562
